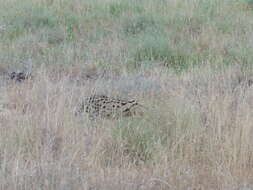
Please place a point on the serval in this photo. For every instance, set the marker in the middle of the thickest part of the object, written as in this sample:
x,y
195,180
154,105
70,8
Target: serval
x,y
107,107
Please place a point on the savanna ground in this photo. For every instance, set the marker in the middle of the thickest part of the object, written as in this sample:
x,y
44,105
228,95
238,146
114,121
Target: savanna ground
x,y
189,63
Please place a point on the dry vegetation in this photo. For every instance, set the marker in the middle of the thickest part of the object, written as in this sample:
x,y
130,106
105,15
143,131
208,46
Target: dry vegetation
x,y
189,63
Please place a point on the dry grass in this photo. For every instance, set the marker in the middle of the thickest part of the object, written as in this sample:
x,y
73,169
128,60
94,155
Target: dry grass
x,y
188,62
196,135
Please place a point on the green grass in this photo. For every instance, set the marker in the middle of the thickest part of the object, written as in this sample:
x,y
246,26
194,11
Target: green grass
x,y
178,34
28,18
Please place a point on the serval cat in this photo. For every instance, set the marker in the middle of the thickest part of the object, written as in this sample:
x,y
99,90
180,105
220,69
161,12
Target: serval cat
x,y
107,107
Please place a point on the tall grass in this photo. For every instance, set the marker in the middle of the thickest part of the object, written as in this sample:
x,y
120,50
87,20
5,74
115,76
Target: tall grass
x,y
195,132
187,62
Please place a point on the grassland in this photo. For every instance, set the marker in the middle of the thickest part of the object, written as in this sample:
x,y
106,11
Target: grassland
x,y
189,62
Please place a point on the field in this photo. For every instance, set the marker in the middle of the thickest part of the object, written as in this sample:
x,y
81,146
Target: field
x,y
189,62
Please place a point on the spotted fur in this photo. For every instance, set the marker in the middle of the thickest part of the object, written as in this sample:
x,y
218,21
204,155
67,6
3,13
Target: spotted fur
x,y
107,107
